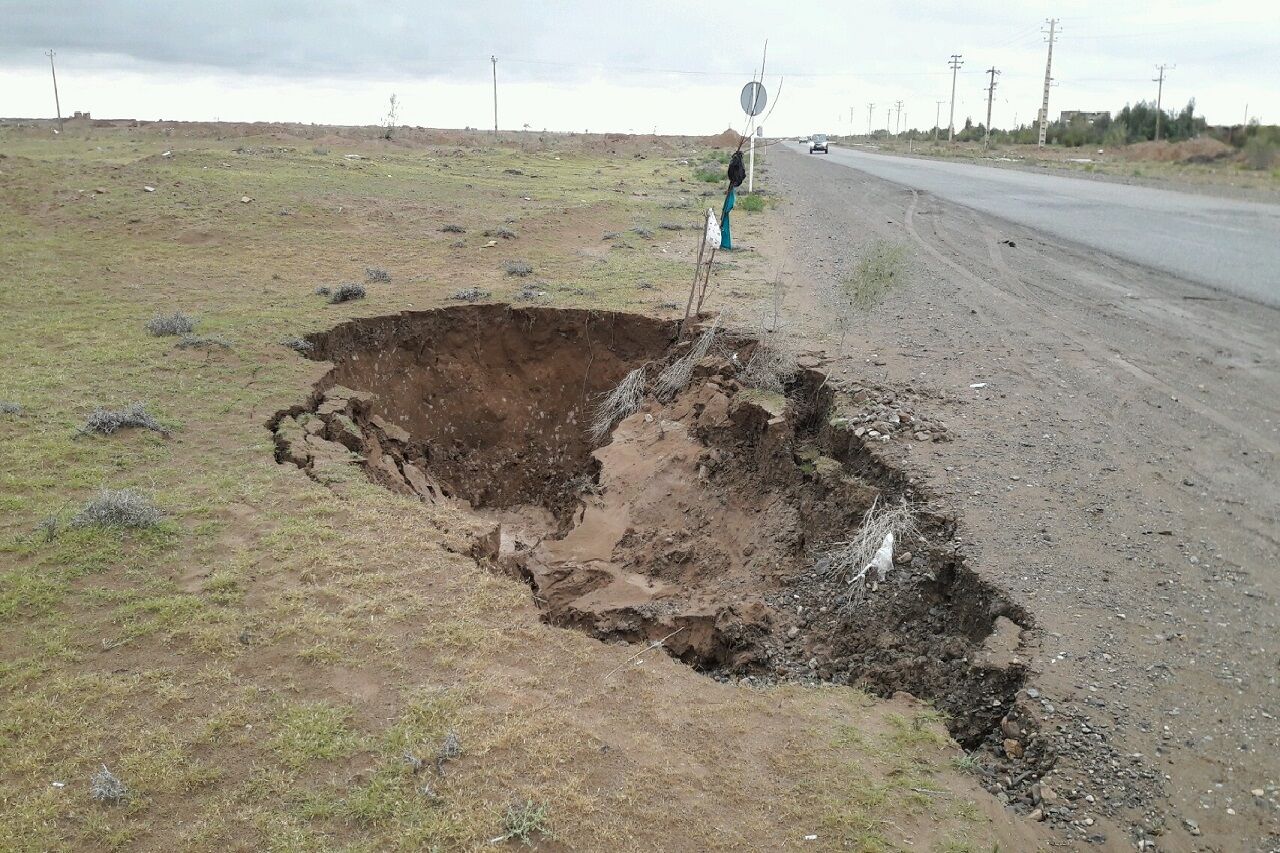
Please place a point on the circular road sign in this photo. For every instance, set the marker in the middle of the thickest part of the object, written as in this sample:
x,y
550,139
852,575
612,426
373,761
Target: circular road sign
x,y
753,98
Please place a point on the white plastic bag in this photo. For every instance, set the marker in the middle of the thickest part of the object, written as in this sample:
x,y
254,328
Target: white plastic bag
x,y
713,229
883,560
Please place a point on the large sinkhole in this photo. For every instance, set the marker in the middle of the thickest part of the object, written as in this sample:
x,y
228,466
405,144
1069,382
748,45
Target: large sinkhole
x,y
704,519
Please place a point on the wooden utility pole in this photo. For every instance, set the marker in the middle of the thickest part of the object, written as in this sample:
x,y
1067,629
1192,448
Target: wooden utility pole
x,y
1048,79
870,107
494,60
57,104
1160,95
991,91
954,64
937,120
898,121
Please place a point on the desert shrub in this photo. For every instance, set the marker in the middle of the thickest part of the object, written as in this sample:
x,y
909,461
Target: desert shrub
x,y
471,294
374,274
671,226
881,267
118,508
709,174
851,560
751,203
346,292
105,787
323,152
9,408
323,290
174,324
458,244
1261,154
106,421
203,342
450,749
453,229
298,344
524,820
643,233
519,268
502,233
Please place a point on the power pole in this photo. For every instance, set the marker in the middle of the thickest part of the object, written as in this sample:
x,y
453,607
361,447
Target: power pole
x,y
897,122
1160,95
937,120
494,60
870,107
991,91
954,64
1048,78
56,103
887,112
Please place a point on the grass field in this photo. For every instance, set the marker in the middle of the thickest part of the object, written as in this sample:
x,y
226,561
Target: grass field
x,y
261,668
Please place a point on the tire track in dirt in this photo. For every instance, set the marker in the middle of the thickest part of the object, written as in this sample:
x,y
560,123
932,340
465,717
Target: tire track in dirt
x,y
1098,354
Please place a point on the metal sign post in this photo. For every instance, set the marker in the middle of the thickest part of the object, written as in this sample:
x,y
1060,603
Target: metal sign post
x,y
753,99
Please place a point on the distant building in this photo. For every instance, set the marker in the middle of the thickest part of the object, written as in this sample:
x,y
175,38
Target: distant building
x,y
1067,116
77,114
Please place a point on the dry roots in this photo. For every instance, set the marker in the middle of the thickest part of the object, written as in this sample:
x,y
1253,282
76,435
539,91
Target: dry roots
x,y
617,404
675,378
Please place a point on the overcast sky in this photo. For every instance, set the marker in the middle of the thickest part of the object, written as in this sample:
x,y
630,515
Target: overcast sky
x,y
635,66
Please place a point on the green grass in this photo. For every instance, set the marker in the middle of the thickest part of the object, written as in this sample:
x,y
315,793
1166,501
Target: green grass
x,y
881,268
752,203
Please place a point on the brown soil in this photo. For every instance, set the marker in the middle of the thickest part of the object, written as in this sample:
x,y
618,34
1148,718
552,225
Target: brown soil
x,y
701,525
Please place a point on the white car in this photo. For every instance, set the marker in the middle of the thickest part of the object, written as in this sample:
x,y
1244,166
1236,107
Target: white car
x,y
818,142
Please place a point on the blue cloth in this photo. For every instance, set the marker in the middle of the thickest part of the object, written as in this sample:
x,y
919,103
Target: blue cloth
x,y
726,242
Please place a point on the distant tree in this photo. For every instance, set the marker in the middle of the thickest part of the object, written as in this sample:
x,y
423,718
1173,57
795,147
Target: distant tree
x,y
389,123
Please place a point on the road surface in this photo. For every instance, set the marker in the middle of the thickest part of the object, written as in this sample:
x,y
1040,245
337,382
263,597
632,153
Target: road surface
x,y
1226,244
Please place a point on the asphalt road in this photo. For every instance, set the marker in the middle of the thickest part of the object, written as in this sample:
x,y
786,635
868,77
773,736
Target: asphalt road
x,y
1226,244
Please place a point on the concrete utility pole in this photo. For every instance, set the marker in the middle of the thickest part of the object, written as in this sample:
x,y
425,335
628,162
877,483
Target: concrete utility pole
x,y
887,112
954,64
937,113
898,122
56,103
1160,95
870,107
1048,79
494,60
991,91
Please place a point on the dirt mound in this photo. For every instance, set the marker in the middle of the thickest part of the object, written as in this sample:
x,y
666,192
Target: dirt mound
x,y
704,521
1200,150
729,138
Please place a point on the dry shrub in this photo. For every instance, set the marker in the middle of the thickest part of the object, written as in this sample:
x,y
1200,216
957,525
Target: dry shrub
x,y
118,508
675,377
622,401
107,421
850,559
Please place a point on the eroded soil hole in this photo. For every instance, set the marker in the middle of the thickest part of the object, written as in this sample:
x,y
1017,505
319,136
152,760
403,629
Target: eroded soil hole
x,y
703,519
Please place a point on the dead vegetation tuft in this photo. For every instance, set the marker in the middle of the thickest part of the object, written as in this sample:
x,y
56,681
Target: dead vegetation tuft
x,y
346,293
8,407
524,820
518,268
164,325
453,229
622,401
107,421
471,294
501,233
118,508
298,344
376,275
675,377
106,787
203,342
771,364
